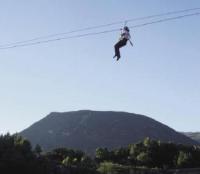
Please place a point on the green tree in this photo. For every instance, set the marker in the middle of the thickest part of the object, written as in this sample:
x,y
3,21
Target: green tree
x,y
87,162
38,149
143,159
184,159
102,154
68,161
120,155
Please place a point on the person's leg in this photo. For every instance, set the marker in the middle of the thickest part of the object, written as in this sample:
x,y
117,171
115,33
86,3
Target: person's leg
x,y
119,45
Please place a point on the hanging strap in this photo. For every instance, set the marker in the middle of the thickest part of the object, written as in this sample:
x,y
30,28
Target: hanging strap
x,y
125,23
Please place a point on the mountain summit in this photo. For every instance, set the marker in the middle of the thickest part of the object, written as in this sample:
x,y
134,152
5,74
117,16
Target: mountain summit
x,y
86,130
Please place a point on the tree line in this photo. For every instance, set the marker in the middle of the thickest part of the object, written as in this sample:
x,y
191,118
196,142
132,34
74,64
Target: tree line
x,y
18,156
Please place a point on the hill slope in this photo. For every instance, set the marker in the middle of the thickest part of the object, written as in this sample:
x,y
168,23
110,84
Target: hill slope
x,y
193,135
86,130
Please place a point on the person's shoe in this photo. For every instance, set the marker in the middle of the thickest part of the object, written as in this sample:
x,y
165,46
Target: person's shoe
x,y
114,56
118,58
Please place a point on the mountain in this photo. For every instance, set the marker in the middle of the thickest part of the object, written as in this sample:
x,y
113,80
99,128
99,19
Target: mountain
x,y
193,135
86,130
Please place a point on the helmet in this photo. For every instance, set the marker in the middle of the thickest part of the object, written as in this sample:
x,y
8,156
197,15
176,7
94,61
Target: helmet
x,y
126,28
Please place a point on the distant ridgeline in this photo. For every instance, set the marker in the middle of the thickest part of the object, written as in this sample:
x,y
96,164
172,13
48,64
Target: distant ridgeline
x,y
147,156
193,135
86,130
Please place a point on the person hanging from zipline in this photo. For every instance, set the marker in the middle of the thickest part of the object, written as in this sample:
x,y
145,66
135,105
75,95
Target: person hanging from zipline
x,y
124,37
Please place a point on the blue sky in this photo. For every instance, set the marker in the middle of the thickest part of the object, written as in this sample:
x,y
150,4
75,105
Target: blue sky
x,y
158,77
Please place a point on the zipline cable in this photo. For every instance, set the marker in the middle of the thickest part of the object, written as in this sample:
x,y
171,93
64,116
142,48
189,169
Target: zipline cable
x,y
100,26
102,32
165,19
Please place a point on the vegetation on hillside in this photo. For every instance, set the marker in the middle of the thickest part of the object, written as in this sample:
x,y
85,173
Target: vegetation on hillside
x,y
17,156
